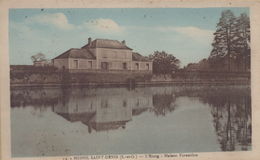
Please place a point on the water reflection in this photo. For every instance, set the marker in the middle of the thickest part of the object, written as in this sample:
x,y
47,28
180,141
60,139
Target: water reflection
x,y
110,109
100,109
231,111
232,119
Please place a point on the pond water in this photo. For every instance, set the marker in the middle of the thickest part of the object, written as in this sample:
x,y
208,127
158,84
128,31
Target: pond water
x,y
169,119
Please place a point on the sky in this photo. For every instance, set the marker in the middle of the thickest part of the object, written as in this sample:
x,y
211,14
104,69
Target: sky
x,y
186,33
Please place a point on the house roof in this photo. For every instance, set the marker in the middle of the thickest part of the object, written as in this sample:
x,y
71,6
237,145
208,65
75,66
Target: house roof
x,y
84,117
106,43
77,53
138,57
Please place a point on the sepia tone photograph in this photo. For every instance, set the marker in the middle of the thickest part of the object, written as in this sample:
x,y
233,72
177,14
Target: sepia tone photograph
x,y
156,82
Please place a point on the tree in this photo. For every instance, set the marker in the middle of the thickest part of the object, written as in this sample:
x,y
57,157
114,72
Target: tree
x,y
38,57
164,63
242,41
231,42
222,44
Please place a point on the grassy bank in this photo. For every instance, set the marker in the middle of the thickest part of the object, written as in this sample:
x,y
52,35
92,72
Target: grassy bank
x,y
31,76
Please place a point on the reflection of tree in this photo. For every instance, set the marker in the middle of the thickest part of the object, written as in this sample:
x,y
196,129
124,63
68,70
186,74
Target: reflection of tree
x,y
163,103
244,120
228,141
37,97
231,112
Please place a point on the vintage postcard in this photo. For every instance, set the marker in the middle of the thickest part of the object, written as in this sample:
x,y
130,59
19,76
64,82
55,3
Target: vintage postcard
x,y
93,80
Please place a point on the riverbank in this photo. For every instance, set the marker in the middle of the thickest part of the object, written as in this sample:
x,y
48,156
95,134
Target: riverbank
x,y
50,77
137,84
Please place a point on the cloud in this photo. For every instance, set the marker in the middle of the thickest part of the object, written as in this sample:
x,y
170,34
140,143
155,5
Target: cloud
x,y
58,20
195,32
103,25
201,35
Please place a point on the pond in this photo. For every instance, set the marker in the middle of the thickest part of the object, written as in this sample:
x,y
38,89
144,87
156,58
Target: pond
x,y
166,119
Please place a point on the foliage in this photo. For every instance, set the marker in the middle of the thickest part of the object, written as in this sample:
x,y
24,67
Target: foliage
x,y
202,65
231,41
38,57
164,63
242,42
163,104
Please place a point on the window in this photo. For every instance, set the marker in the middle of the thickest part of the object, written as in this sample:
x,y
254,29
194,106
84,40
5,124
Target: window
x,y
114,54
89,64
124,103
124,66
75,64
104,103
104,55
104,65
147,66
137,66
138,102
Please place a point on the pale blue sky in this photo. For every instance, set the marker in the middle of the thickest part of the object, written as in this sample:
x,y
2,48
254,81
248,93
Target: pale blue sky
x,y
184,32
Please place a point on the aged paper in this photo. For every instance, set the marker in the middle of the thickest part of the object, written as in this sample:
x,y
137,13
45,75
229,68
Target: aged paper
x,y
124,130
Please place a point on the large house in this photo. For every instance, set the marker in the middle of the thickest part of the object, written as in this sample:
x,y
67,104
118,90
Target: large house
x,y
103,55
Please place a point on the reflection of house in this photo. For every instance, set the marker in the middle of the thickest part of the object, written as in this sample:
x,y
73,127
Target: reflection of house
x,y
103,55
105,112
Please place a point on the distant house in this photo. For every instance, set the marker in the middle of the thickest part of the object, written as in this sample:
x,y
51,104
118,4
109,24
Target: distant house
x,y
103,55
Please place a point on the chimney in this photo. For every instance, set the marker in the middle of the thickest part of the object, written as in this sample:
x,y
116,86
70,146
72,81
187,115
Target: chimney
x,y
123,42
89,40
